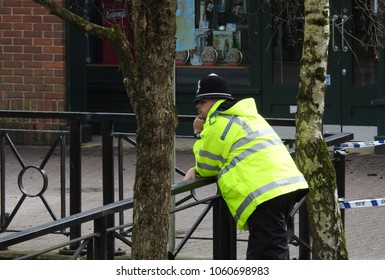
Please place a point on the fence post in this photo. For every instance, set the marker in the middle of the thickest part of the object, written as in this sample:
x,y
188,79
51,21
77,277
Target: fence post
x,y
224,232
75,177
339,166
304,235
100,247
108,179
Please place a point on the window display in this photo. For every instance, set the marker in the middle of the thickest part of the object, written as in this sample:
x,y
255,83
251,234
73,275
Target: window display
x,y
210,33
220,28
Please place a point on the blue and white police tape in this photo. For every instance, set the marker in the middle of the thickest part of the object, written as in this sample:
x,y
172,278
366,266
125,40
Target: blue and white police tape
x,y
356,145
375,202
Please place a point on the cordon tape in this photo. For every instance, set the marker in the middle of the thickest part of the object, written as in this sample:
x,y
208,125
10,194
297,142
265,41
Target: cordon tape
x,y
375,202
357,145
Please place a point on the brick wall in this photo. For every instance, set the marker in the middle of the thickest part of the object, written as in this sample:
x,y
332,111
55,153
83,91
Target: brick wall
x,y
32,74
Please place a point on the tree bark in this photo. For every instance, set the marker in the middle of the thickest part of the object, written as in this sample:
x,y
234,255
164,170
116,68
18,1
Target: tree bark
x,y
312,155
152,99
148,79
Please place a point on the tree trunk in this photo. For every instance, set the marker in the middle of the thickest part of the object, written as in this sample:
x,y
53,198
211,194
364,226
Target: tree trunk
x,y
155,28
148,79
312,155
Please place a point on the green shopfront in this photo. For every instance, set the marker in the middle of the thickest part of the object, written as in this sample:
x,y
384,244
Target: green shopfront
x,y
253,46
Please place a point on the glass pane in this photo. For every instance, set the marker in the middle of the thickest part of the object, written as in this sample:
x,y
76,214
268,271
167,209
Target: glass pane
x,y
365,56
219,33
287,28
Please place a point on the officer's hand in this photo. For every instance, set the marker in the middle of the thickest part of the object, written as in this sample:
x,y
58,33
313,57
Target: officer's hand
x,y
198,124
191,174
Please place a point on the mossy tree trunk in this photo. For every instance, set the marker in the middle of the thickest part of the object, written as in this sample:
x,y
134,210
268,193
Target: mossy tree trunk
x,y
148,79
312,155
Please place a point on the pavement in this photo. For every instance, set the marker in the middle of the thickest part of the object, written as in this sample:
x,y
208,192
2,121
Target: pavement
x,y
365,178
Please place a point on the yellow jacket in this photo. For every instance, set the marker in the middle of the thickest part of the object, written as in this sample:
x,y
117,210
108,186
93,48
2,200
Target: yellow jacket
x,y
250,161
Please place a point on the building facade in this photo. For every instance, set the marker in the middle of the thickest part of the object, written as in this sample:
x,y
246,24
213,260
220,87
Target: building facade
x,y
32,62
48,66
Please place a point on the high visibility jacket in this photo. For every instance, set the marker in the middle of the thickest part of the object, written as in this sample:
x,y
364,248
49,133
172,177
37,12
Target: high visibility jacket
x,y
250,161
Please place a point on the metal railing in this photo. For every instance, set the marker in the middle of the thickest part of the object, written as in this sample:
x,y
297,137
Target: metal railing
x,y
101,243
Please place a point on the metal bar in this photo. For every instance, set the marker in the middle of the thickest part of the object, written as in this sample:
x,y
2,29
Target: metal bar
x,y
2,184
82,116
304,235
192,229
63,176
17,207
334,19
50,152
61,245
48,207
224,232
120,178
108,177
66,222
15,152
339,165
75,177
100,243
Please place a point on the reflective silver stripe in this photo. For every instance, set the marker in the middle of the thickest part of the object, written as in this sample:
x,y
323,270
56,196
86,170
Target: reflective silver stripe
x,y
249,151
210,156
207,154
260,191
251,137
208,167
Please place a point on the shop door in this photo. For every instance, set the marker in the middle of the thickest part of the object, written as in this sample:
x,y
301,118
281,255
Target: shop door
x,y
352,68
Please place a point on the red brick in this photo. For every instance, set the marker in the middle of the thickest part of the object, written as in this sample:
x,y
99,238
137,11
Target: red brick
x,y
12,18
33,64
33,34
22,26
12,33
35,94
22,56
44,72
42,26
24,72
56,64
56,49
43,88
22,11
43,57
42,41
5,56
12,49
12,3
5,25
16,104
33,80
13,79
23,87
22,41
52,19
33,19
33,49
13,64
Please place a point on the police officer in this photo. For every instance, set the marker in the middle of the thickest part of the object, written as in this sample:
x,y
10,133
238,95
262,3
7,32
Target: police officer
x,y
256,174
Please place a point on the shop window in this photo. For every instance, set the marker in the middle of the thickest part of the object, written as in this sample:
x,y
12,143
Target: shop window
x,y
217,30
107,13
219,34
286,28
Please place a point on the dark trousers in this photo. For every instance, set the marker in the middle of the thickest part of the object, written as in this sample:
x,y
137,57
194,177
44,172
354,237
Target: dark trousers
x,y
268,239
